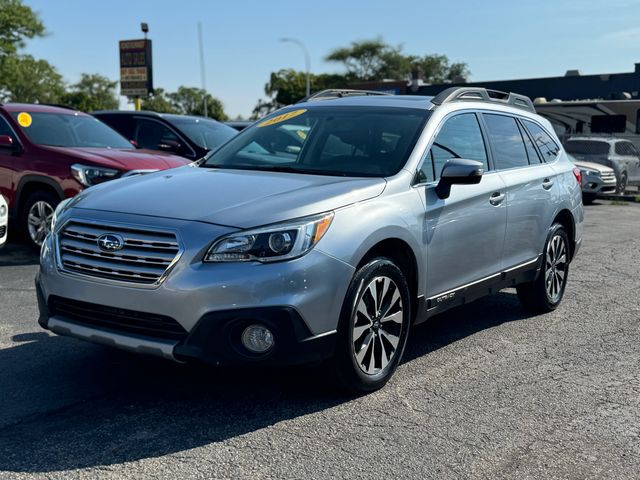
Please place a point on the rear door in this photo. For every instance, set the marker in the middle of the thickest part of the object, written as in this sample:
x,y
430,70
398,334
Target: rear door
x,y
464,234
530,184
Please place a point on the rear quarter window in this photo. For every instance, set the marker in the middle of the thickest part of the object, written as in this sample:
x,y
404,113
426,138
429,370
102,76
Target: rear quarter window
x,y
547,145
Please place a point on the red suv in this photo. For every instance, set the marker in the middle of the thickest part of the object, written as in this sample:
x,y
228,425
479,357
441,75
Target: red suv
x,y
51,153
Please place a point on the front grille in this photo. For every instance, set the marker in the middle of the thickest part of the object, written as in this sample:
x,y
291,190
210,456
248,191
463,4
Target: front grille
x,y
3,231
143,259
608,177
116,319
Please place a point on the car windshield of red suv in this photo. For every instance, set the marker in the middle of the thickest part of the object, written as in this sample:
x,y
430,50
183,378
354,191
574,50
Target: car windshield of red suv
x,y
71,130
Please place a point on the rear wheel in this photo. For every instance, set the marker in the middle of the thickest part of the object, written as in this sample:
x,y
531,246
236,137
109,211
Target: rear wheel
x,y
37,213
546,292
373,327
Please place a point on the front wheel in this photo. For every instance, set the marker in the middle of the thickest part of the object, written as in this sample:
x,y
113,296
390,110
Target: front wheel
x,y
545,293
373,327
36,217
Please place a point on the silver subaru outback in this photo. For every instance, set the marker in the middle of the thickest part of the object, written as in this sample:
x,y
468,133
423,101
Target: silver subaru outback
x,y
323,232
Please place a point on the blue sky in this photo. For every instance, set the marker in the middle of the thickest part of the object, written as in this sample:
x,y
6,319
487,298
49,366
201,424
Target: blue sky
x,y
498,39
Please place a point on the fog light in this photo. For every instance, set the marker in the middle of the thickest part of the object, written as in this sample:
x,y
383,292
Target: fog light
x,y
257,339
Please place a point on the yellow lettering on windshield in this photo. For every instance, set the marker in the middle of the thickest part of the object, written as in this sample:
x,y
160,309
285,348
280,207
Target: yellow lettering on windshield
x,y
281,118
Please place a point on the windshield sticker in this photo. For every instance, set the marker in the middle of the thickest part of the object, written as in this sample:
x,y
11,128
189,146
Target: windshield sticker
x,y
302,134
24,119
281,118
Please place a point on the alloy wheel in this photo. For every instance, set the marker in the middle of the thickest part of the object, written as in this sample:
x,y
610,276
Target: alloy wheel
x,y
556,267
39,221
377,325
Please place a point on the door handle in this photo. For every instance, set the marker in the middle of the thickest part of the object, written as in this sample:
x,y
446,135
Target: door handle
x,y
547,183
496,198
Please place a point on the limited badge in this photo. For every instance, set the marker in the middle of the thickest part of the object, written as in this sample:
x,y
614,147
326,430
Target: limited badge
x,y
281,118
24,119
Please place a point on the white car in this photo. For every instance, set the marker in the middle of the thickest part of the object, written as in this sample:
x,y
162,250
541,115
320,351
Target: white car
x,y
4,219
596,179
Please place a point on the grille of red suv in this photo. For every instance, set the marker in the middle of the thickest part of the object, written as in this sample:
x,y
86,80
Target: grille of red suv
x,y
144,256
116,319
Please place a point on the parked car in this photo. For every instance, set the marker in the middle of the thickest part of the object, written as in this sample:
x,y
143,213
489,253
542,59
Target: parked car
x,y
50,153
619,154
396,208
185,135
4,221
239,124
596,180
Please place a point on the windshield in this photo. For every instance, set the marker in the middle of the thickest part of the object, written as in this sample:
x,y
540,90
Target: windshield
x,y
69,130
205,133
587,147
346,141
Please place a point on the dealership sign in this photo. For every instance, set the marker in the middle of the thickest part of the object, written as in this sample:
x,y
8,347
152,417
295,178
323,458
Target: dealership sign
x,y
136,73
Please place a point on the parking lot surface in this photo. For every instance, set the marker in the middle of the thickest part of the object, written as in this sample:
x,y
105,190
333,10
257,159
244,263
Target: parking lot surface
x,y
485,391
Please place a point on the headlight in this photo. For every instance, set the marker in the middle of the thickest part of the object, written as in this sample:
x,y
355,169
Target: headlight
x,y
590,172
3,211
88,175
58,211
283,241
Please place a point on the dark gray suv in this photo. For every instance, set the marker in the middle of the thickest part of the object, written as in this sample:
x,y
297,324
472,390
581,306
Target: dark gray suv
x,y
324,231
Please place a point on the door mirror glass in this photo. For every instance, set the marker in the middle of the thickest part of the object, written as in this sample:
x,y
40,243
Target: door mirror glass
x,y
7,142
458,171
169,145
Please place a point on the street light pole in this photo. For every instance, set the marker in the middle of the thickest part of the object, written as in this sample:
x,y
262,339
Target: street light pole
x,y
202,74
307,63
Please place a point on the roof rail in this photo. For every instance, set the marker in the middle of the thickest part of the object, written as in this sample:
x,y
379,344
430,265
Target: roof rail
x,y
478,94
339,93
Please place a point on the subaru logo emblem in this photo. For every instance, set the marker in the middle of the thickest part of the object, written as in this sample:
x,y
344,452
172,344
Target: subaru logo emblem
x,y
110,242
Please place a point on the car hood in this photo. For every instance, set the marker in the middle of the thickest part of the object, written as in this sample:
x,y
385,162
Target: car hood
x,y
593,166
123,159
237,198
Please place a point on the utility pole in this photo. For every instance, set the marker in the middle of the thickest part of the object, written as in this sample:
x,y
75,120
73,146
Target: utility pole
x,y
202,73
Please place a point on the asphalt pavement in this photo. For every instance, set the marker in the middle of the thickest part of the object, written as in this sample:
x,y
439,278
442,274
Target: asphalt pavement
x,y
485,391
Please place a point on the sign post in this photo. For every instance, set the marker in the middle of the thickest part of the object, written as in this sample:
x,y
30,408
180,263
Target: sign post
x,y
136,69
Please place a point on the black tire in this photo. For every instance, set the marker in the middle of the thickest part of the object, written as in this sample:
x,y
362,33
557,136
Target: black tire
x,y
622,184
349,372
588,198
50,200
536,295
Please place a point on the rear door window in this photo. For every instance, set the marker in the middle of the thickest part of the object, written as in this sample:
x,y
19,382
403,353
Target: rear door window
x,y
508,147
459,137
547,146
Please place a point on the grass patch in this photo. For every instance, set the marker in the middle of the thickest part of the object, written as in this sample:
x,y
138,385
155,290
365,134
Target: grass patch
x,y
618,202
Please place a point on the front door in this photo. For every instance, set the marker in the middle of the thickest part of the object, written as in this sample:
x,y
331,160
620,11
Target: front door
x,y
463,234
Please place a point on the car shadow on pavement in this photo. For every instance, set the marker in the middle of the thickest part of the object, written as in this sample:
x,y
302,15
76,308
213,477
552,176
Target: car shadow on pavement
x,y
17,252
66,404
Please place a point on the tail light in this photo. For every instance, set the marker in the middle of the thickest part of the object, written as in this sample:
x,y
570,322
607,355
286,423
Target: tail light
x,y
578,174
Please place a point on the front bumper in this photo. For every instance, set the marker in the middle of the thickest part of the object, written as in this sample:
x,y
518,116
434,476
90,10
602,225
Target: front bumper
x,y
300,300
594,184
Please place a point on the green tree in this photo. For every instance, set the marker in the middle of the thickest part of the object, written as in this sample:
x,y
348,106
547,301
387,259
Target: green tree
x,y
371,60
17,23
158,102
25,79
92,92
437,69
287,86
190,101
